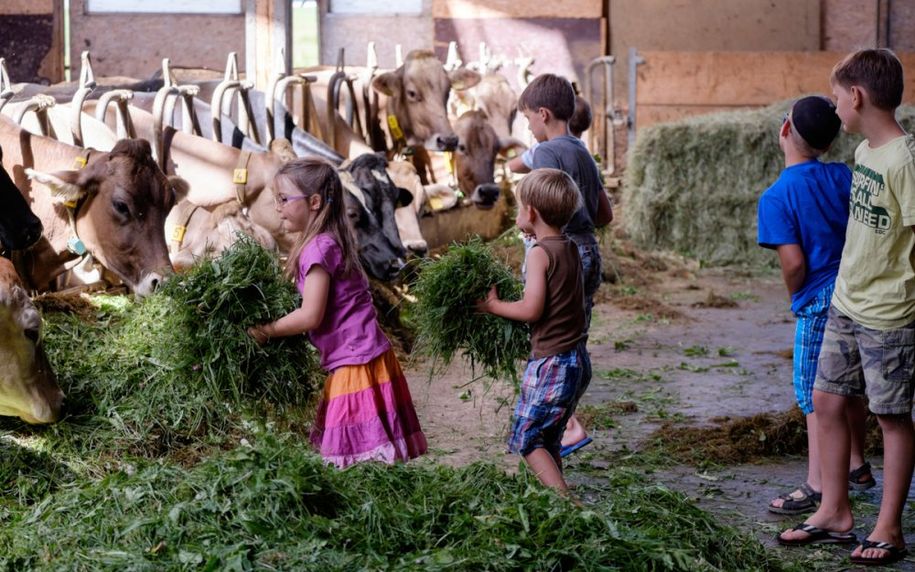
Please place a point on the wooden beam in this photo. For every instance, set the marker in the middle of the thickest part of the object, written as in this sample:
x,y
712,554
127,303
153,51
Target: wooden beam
x,y
268,27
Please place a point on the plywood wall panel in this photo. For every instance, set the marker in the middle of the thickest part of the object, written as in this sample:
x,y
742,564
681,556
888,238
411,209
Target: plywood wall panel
x,y
516,9
134,44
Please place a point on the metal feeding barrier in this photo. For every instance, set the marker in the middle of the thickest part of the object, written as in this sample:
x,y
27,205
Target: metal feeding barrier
x,y
221,102
283,86
606,117
164,108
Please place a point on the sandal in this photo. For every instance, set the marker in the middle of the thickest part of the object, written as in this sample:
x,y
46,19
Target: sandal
x,y
793,504
893,554
854,478
816,536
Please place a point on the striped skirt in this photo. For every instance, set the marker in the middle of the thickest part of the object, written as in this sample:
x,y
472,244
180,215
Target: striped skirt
x,y
366,414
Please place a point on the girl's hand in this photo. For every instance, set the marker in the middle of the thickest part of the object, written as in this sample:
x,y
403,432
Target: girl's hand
x,y
258,334
486,304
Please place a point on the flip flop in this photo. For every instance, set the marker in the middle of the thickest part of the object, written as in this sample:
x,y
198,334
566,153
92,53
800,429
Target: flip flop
x,y
893,554
567,450
817,536
807,502
854,478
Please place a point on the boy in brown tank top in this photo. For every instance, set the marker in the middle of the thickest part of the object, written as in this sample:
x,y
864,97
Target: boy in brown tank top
x,y
553,304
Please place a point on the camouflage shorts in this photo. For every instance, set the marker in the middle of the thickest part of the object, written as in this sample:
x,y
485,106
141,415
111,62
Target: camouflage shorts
x,y
855,360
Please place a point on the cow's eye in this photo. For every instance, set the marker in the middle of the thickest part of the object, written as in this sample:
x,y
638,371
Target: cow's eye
x,y
32,334
462,148
122,208
412,95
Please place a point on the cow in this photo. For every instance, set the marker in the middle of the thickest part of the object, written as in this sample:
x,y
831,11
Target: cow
x,y
111,206
475,159
19,227
370,203
28,387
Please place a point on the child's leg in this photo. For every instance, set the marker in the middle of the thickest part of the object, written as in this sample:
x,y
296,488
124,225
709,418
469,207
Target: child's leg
x,y
898,455
814,476
544,466
856,414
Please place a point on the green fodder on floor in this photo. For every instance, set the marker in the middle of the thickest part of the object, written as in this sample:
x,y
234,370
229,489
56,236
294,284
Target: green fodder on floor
x,y
692,186
177,367
271,504
745,439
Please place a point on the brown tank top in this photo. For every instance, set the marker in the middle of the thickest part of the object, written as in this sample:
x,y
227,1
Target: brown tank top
x,y
562,324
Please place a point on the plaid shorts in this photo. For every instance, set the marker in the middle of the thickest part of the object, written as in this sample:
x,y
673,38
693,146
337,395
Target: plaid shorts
x,y
855,360
550,390
808,338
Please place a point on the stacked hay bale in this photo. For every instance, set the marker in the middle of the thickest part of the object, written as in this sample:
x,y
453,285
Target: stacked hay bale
x,y
692,185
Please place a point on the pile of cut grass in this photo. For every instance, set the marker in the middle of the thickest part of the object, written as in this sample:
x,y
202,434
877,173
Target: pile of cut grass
x,y
178,367
446,319
273,505
692,186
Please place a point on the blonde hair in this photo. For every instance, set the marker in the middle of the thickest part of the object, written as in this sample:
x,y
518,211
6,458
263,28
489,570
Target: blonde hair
x,y
318,177
553,193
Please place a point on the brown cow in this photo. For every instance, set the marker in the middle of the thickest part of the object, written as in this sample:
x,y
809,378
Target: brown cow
x,y
28,388
117,207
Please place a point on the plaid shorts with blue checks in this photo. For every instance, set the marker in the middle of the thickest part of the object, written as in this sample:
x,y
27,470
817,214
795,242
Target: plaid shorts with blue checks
x,y
550,390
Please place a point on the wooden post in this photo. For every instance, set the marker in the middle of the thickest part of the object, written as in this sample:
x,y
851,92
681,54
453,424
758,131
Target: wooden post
x,y
268,40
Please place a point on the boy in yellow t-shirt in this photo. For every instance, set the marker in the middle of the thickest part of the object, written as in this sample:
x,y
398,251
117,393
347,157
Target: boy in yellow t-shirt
x,y
869,344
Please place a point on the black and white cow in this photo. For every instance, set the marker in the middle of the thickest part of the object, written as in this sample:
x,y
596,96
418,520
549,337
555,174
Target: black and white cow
x,y
370,203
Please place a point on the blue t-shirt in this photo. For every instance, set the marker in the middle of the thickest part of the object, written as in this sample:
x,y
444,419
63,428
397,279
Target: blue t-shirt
x,y
569,154
808,206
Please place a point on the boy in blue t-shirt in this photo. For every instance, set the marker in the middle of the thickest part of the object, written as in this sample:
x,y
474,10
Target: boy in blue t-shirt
x,y
803,216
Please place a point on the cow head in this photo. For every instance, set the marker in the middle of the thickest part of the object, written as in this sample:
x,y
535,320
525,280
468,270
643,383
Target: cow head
x,y
417,96
123,200
371,198
496,98
19,227
475,159
28,388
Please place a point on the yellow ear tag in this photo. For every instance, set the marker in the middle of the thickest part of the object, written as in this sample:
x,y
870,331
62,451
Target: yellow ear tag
x,y
79,163
240,176
178,234
394,126
449,162
70,204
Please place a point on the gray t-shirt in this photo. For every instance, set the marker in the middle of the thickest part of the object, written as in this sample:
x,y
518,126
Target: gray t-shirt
x,y
570,155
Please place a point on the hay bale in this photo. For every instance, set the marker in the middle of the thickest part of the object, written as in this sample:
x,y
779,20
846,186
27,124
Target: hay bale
x,y
692,185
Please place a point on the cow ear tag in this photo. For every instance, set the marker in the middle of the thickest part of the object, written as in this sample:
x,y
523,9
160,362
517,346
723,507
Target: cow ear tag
x,y
240,176
79,163
394,126
76,246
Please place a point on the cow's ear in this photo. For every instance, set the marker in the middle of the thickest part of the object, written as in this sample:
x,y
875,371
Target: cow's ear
x,y
463,78
387,83
404,197
282,148
63,184
180,187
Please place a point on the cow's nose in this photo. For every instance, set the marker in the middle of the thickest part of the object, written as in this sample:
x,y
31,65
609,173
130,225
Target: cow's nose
x,y
447,142
418,248
33,234
486,195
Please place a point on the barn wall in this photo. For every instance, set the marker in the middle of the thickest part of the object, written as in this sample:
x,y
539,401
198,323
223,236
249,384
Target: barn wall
x,y
352,32
133,45
31,41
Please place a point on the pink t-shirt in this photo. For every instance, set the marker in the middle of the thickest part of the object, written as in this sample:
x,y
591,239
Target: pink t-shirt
x,y
349,333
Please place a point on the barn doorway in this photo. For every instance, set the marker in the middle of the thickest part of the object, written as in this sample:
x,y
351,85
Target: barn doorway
x,y
305,45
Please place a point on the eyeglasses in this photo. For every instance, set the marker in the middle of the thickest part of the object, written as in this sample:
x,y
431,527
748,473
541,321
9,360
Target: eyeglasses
x,y
281,200
786,117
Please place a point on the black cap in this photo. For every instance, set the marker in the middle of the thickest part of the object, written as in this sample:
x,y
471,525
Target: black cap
x,y
814,117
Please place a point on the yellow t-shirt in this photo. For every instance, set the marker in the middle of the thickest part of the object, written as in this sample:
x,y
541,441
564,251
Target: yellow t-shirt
x,y
876,282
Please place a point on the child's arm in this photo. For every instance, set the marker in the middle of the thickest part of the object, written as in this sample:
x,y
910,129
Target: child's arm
x,y
530,307
604,210
307,317
794,266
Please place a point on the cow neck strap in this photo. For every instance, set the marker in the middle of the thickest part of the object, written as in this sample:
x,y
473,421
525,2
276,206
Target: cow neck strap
x,y
240,179
186,210
74,243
